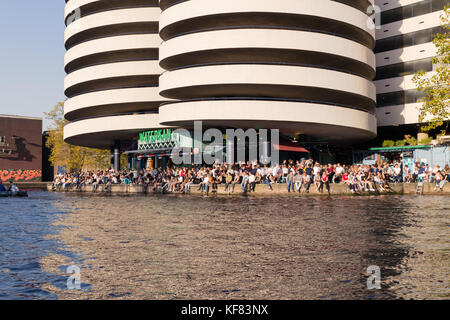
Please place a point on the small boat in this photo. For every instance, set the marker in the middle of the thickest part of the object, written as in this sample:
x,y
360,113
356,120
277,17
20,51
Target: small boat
x,y
19,194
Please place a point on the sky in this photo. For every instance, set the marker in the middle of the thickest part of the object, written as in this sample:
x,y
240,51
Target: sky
x,y
31,56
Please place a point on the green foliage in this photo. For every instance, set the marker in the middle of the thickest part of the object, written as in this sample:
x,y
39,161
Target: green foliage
x,y
435,110
426,141
410,140
388,143
400,143
73,158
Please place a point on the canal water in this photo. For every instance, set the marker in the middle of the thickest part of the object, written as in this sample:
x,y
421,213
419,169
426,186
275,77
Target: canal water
x,y
193,247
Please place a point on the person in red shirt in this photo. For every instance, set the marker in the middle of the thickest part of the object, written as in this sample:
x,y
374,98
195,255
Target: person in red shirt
x,y
324,180
345,177
331,170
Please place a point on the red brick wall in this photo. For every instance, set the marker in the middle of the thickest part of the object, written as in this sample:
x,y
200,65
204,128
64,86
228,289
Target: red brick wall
x,y
24,139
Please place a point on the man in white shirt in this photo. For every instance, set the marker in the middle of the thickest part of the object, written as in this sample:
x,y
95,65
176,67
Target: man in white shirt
x,y
316,169
251,182
339,172
397,173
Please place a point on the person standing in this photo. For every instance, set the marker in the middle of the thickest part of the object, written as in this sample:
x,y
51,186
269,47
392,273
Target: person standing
x,y
251,181
290,181
244,183
298,181
228,180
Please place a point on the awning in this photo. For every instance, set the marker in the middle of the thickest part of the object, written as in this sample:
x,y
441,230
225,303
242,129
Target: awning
x,y
148,152
289,146
400,148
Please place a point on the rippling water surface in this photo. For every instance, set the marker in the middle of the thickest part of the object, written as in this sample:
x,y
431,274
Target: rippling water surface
x,y
192,247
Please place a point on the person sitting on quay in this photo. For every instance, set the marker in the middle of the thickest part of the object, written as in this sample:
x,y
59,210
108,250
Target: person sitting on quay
x,y
359,178
13,188
324,181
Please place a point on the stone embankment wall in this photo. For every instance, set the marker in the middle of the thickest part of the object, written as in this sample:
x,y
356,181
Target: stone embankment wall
x,y
278,189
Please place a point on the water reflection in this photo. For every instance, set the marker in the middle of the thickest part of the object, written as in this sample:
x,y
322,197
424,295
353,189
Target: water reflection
x,y
177,247
25,225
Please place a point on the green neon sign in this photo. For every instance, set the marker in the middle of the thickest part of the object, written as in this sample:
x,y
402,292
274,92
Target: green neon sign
x,y
156,136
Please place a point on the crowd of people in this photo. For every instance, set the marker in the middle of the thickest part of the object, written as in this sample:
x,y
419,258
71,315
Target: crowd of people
x,y
298,176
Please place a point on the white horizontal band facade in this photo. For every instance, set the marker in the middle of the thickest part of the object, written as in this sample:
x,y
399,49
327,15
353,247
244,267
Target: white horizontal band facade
x,y
112,70
267,74
102,19
274,114
319,8
72,5
111,44
116,96
270,39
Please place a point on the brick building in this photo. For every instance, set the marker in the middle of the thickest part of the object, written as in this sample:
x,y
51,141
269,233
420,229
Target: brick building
x,y
20,148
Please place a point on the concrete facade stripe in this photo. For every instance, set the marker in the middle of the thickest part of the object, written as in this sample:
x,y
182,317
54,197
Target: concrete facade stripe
x,y
267,74
72,5
318,8
257,38
110,44
363,4
112,70
116,96
99,132
270,114
110,18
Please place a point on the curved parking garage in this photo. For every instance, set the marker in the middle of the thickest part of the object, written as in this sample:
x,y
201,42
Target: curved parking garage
x,y
313,56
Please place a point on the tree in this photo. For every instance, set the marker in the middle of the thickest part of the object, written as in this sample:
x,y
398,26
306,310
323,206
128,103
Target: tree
x,y
388,143
73,158
435,110
410,140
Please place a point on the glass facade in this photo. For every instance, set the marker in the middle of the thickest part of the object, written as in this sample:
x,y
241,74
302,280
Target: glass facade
x,y
412,10
407,40
404,68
